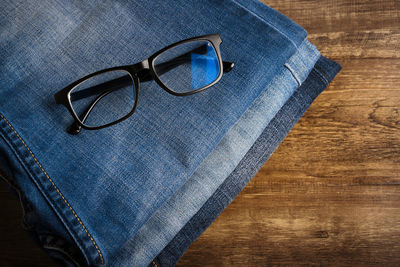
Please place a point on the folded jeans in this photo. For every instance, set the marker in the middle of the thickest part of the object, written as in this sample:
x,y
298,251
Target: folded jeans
x,y
321,75
93,193
172,216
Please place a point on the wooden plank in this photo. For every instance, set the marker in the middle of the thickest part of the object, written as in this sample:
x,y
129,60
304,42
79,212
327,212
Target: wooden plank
x,y
348,29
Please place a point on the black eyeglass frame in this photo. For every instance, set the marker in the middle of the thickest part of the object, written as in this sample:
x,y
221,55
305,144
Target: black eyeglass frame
x,y
138,70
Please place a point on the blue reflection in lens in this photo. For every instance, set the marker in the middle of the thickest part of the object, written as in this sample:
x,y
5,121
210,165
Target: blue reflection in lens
x,y
205,68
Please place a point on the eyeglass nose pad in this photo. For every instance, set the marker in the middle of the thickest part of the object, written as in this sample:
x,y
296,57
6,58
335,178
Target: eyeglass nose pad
x,y
74,128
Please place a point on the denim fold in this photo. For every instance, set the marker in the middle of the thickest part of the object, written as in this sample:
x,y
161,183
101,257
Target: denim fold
x,y
172,216
321,75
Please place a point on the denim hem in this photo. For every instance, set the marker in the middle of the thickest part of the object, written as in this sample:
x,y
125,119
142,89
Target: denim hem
x,y
51,193
323,72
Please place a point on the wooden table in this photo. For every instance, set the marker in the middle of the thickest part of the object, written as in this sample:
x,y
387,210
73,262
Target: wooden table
x,y
330,195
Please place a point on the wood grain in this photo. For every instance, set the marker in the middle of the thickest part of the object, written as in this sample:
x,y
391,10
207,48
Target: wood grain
x,y
330,194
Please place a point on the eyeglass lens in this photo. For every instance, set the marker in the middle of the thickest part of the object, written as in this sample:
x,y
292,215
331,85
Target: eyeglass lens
x,y
188,66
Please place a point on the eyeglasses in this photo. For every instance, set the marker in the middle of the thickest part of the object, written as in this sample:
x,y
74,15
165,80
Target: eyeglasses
x,y
109,96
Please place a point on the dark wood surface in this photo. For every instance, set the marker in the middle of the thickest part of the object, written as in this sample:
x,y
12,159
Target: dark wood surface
x,y
330,194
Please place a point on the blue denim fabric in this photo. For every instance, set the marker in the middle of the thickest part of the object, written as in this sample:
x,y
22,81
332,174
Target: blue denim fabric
x,y
319,78
173,215
96,190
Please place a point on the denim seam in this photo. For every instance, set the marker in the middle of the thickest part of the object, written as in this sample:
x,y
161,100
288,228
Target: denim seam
x,y
293,74
56,188
323,78
297,74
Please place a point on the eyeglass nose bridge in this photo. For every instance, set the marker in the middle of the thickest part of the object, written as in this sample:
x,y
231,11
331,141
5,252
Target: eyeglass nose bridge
x,y
143,65
142,70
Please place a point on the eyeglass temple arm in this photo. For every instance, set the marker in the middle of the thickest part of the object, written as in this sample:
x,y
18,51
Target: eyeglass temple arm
x,y
75,128
169,65
104,89
144,76
126,80
111,85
